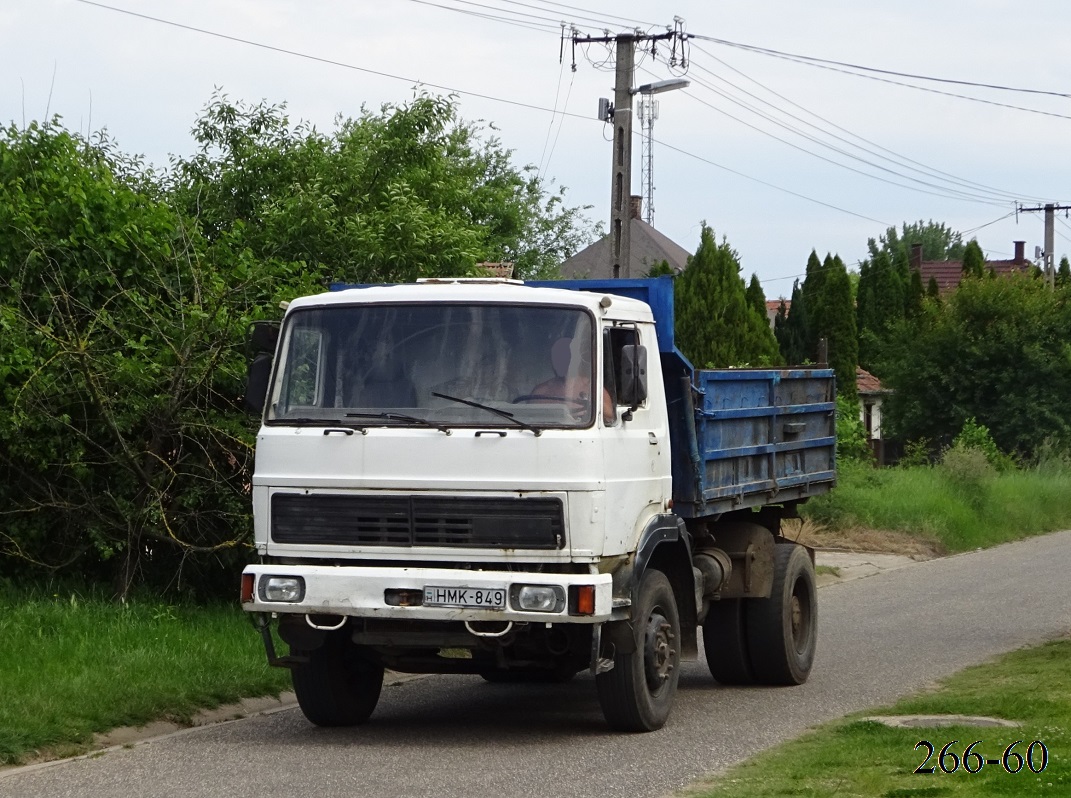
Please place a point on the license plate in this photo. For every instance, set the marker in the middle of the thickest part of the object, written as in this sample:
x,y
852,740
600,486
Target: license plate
x,y
467,597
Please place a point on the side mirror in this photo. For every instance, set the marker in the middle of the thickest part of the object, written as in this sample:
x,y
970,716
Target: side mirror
x,y
261,340
632,381
256,382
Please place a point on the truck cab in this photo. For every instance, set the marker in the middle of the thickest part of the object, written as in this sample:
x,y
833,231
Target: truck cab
x,y
483,476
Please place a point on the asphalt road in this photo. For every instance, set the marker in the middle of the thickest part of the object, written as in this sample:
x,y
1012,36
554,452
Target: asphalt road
x,y
441,736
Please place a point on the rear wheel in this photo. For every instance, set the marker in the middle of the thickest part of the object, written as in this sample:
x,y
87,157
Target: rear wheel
x,y
337,686
782,631
637,694
725,642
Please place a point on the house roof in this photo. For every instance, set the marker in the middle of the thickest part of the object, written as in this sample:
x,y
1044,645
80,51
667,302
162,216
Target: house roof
x,y
948,273
867,384
648,247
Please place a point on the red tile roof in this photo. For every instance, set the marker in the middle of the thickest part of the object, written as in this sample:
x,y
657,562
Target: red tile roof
x,y
867,383
948,273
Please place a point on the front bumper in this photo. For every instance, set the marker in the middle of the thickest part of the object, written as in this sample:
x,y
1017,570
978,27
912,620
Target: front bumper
x,y
361,592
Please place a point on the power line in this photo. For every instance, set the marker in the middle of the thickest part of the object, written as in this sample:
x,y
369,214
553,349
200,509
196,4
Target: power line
x,y
453,90
825,66
328,61
858,67
768,184
940,192
588,11
897,159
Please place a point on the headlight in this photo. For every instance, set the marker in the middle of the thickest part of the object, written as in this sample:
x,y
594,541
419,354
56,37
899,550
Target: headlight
x,y
537,598
290,589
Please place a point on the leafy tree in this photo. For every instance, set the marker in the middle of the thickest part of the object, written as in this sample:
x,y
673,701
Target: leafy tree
x,y
973,260
997,351
939,242
123,456
125,296
661,269
407,192
716,326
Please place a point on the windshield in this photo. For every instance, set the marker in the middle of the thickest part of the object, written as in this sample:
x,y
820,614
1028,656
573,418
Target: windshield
x,y
443,364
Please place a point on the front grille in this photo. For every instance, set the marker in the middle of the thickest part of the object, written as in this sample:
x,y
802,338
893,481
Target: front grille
x,y
493,523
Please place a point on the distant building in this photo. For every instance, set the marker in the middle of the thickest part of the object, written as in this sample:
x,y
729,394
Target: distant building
x,y
948,273
648,248
773,305
871,397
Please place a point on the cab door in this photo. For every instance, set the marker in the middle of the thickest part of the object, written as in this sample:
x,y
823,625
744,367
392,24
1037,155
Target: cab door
x,y
635,435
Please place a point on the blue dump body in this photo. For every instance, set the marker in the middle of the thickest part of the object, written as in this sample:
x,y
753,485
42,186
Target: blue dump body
x,y
740,437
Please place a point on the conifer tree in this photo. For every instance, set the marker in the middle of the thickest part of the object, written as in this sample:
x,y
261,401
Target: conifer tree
x,y
793,343
716,326
915,294
932,290
1063,274
755,296
973,260
811,293
838,325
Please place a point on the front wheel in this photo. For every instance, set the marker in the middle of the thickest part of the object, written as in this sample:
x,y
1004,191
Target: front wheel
x,y
637,694
782,630
337,687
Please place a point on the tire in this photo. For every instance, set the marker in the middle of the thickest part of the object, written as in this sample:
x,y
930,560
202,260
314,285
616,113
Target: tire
x,y
725,643
637,694
782,631
337,687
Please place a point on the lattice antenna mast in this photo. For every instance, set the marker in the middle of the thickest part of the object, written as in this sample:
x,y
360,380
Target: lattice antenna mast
x,y
648,115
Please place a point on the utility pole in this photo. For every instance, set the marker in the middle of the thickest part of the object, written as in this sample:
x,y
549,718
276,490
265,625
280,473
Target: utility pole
x,y
1050,237
621,175
620,114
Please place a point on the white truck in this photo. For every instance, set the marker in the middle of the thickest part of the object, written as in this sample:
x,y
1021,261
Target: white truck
x,y
523,481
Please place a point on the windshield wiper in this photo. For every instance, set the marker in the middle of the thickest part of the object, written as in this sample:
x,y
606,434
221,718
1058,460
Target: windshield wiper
x,y
299,421
423,422
503,413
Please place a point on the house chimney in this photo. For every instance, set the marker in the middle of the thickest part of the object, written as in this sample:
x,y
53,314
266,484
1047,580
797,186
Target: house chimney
x,y
635,207
1020,257
916,257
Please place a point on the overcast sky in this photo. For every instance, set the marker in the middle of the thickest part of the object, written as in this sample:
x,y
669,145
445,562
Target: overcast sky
x,y
899,154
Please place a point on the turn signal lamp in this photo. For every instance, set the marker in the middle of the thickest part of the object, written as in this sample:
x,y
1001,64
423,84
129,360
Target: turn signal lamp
x,y
582,600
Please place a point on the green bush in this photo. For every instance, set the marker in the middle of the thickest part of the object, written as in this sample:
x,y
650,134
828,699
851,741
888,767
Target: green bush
x,y
969,471
851,435
976,437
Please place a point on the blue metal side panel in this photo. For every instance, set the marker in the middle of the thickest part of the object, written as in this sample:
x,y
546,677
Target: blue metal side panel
x,y
764,436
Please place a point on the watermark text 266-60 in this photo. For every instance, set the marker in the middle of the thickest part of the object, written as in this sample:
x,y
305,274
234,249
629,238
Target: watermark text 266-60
x,y
1036,758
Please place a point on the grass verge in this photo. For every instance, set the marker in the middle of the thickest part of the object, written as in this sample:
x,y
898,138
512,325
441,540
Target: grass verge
x,y
854,757
929,502
71,666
